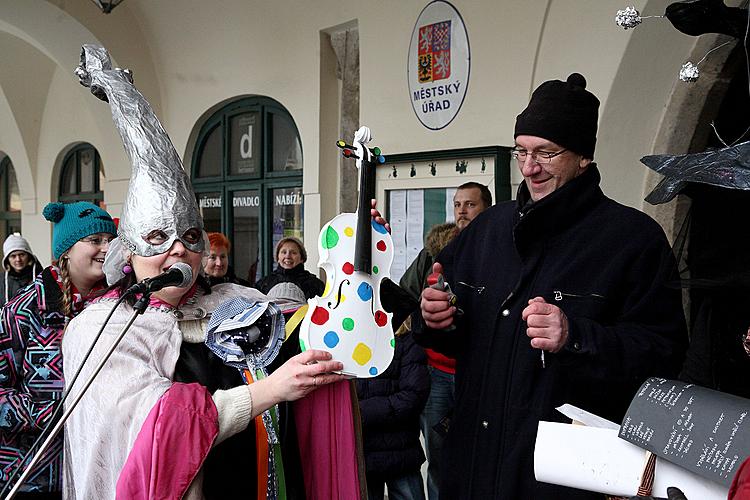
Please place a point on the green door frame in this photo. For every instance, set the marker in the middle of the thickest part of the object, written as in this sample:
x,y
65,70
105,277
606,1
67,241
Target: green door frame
x,y
263,181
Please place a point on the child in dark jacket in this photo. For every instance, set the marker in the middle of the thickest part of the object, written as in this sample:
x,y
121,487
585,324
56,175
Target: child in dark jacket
x,y
390,405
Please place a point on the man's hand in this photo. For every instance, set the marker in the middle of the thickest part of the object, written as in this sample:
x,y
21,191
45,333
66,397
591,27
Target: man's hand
x,y
436,310
547,325
375,213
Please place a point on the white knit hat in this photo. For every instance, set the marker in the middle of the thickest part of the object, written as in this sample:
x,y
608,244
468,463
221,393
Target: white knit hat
x,y
13,243
287,295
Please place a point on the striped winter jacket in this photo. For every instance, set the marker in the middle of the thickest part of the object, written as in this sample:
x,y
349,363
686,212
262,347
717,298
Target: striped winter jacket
x,y
31,377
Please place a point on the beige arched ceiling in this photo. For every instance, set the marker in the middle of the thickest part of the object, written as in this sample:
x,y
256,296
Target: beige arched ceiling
x,y
632,72
43,109
646,76
36,38
24,83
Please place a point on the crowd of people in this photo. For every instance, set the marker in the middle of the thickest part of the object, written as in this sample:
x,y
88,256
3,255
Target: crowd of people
x,y
552,297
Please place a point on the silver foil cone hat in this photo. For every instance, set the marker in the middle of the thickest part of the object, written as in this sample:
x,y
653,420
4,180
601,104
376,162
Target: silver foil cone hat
x,y
160,206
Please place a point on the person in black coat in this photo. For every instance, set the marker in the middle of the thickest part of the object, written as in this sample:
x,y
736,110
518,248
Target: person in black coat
x,y
390,406
565,297
291,257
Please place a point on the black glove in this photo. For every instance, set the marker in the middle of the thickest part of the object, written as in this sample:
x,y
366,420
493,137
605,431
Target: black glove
x,y
672,494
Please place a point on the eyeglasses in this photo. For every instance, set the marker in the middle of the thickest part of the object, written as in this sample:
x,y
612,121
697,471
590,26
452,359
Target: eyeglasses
x,y
98,241
540,157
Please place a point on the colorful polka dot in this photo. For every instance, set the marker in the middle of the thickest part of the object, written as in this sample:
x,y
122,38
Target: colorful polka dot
x,y
331,339
348,324
364,291
342,298
330,238
327,288
349,231
381,318
373,371
319,316
348,268
379,228
302,346
393,343
362,354
381,245
375,269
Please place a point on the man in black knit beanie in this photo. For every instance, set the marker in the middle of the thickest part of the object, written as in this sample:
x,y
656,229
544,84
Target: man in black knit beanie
x,y
564,298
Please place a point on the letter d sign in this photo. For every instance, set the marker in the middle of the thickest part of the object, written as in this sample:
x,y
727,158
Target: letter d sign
x,y
246,143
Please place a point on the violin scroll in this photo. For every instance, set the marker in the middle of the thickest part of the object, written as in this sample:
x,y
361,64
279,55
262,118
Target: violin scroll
x,y
347,151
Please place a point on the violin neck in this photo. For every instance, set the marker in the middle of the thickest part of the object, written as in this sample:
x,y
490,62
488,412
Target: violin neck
x,y
363,248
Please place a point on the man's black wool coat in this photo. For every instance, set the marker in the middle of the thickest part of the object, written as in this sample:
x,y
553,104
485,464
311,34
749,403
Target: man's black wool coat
x,y
607,267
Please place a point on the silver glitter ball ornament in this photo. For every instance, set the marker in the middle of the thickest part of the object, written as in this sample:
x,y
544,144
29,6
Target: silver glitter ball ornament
x,y
689,72
629,17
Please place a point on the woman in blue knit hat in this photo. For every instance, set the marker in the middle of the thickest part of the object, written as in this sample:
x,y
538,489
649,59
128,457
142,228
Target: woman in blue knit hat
x,y
31,374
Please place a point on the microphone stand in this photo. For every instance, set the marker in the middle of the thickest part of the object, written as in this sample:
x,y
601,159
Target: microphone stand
x,y
138,308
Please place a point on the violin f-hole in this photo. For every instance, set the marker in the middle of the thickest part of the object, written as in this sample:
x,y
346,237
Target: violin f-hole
x,y
338,294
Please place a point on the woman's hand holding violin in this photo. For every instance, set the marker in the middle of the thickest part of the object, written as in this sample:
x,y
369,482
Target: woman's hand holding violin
x,y
295,379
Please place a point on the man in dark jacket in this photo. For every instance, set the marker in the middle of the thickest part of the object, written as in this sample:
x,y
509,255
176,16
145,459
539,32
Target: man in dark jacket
x,y
564,297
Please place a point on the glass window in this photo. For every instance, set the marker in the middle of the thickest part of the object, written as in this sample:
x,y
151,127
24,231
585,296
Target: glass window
x,y
423,209
68,177
14,197
245,150
10,200
246,234
209,205
288,213
287,149
249,154
81,177
4,191
209,164
88,179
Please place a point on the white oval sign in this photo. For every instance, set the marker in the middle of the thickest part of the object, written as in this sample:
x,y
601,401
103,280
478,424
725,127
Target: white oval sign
x,y
439,63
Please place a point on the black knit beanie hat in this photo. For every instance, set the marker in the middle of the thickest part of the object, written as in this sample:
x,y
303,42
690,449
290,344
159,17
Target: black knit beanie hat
x,y
564,113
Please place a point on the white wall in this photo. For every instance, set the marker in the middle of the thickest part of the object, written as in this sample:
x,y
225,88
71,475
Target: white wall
x,y
190,56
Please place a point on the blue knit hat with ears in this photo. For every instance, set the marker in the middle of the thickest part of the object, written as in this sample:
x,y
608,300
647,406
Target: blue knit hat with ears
x,y
73,221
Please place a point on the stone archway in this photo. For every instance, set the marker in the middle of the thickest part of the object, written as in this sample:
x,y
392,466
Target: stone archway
x,y
684,125
58,36
711,249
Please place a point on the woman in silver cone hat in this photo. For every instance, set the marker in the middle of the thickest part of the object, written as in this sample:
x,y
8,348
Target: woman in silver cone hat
x,y
137,433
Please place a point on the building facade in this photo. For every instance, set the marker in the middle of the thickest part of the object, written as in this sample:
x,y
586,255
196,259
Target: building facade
x,y
255,94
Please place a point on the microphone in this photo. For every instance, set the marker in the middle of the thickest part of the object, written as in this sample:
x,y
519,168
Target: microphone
x,y
179,274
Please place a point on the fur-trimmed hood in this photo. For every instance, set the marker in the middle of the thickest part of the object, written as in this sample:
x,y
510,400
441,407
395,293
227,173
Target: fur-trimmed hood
x,y
439,236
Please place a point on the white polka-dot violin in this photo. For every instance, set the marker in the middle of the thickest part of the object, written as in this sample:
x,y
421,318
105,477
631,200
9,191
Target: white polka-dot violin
x,y
356,253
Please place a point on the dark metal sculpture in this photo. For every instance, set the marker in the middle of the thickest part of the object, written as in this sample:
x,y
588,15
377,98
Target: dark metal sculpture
x,y
726,167
698,17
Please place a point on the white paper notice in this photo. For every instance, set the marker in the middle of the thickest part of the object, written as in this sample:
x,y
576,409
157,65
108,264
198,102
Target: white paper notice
x,y
449,194
597,460
414,223
586,418
398,219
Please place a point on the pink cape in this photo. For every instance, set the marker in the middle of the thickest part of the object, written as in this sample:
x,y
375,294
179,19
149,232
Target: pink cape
x,y
171,445
327,447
